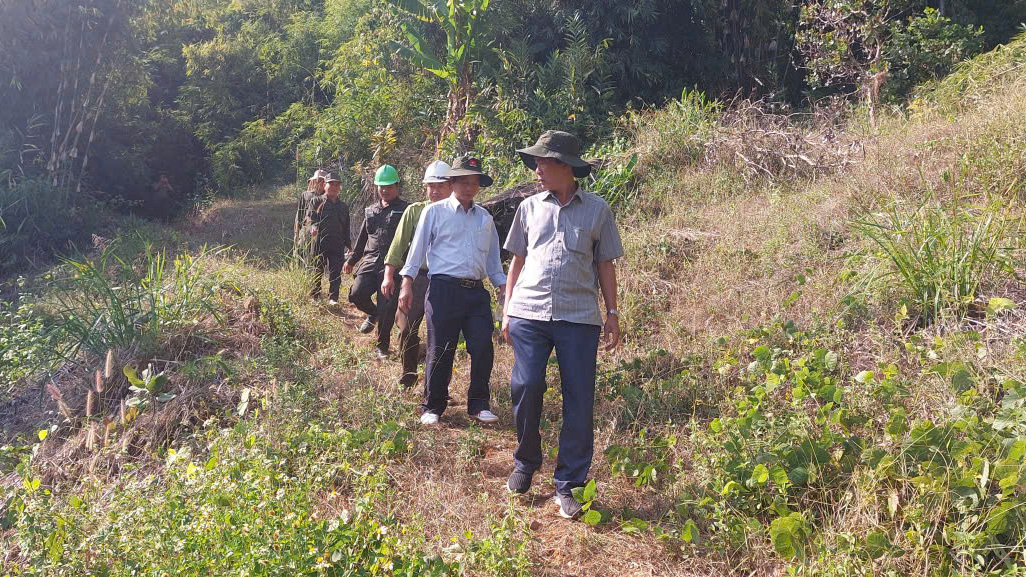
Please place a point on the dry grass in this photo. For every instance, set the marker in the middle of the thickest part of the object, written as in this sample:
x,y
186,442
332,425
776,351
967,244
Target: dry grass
x,y
716,252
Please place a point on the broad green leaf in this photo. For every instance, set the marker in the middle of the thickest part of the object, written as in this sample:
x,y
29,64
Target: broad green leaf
x,y
729,488
589,491
578,494
132,376
787,534
760,475
897,426
999,305
689,534
878,544
593,517
962,381
634,526
830,361
997,519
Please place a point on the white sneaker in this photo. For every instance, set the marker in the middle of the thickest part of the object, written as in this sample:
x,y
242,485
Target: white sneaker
x,y
428,418
485,416
332,303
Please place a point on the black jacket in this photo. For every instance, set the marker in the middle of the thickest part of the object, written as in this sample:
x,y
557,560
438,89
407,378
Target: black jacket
x,y
332,222
379,226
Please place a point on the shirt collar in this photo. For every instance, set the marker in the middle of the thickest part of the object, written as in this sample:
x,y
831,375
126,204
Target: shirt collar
x,y
454,204
577,196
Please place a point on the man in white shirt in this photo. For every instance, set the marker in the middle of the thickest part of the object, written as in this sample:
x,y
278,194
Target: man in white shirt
x,y
459,239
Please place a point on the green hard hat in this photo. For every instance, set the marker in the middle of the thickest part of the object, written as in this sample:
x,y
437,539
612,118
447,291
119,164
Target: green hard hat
x,y
386,175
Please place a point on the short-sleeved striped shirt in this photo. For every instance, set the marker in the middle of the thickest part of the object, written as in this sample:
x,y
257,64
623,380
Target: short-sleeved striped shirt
x,y
562,247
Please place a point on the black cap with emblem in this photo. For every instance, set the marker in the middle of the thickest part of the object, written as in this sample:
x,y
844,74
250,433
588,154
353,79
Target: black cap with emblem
x,y
470,165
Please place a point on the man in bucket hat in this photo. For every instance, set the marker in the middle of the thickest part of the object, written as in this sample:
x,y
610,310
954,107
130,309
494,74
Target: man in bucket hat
x,y
458,240
329,227
303,242
379,225
564,241
438,187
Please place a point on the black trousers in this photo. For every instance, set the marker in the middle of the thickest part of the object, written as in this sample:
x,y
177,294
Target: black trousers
x,y
366,285
451,309
333,259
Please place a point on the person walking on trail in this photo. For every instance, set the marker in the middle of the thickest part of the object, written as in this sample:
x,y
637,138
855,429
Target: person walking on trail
x,y
379,225
436,183
564,241
302,242
458,240
329,228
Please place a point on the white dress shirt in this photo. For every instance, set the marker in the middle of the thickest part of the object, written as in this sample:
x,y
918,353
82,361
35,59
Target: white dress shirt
x,y
458,243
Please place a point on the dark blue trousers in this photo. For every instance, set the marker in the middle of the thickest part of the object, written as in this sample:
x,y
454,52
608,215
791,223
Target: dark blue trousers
x,y
450,309
576,351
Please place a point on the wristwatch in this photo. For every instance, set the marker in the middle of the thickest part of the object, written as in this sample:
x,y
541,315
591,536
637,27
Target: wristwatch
x,y
612,312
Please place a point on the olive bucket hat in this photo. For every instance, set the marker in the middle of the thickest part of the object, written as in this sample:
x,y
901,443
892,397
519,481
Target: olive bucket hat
x,y
560,145
467,166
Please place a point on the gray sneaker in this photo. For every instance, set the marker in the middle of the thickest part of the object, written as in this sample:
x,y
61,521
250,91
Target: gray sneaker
x,y
569,508
519,482
368,325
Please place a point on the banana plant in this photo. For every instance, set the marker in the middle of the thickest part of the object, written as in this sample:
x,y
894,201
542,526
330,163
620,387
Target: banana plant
x,y
462,22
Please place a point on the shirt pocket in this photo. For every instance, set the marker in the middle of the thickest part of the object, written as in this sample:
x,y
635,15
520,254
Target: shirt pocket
x,y
483,239
578,240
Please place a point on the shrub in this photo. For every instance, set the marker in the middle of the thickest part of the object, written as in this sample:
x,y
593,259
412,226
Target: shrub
x,y
38,220
252,506
802,440
676,134
105,304
23,343
941,253
925,49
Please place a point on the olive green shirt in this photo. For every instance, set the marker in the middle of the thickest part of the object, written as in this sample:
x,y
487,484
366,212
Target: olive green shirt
x,y
404,235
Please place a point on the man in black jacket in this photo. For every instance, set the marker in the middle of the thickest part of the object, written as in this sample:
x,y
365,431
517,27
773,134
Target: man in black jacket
x,y
329,228
379,225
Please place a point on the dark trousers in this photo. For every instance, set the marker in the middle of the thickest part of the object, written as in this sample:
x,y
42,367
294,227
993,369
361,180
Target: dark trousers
x,y
576,351
366,285
451,309
333,260
409,330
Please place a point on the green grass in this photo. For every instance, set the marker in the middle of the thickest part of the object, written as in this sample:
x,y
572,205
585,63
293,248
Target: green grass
x,y
771,411
941,253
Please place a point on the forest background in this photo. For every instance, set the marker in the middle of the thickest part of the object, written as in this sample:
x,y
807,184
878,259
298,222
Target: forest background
x,y
101,97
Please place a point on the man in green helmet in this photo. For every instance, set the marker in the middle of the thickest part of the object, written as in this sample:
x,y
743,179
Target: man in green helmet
x,y
368,258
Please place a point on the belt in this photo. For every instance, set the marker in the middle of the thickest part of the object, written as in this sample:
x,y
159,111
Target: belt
x,y
467,283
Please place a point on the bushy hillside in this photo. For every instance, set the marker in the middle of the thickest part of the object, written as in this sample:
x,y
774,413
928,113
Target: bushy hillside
x,y
823,373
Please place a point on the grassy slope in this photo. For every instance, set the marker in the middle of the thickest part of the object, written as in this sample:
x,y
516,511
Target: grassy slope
x,y
713,253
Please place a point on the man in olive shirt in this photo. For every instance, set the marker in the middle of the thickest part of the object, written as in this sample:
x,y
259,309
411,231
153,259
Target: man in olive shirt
x,y
436,183
329,228
564,242
379,225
